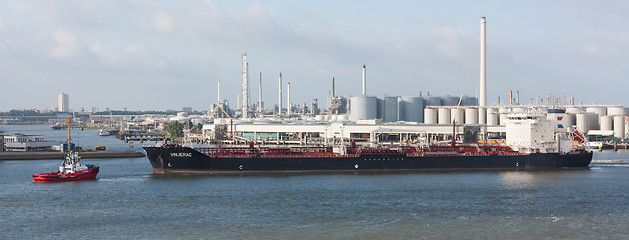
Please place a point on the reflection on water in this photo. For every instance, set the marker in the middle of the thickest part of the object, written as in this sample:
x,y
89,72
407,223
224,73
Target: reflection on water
x,y
517,179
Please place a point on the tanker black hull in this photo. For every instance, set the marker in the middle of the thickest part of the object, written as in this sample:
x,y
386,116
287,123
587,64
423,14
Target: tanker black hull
x,y
181,159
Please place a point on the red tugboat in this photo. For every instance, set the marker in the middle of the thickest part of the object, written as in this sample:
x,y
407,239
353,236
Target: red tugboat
x,y
71,168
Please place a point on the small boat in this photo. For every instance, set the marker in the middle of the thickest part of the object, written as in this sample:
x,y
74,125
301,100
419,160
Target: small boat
x,y
71,169
104,132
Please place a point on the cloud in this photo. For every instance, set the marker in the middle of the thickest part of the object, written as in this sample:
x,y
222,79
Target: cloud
x,y
66,45
134,49
163,23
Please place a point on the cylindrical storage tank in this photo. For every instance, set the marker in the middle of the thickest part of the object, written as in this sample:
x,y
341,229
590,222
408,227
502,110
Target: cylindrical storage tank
x,y
320,118
616,111
493,119
598,110
388,109
363,107
333,118
433,101
444,116
606,123
471,116
326,118
342,118
469,101
459,114
584,123
503,119
412,109
430,116
518,110
619,127
503,110
450,101
572,119
575,110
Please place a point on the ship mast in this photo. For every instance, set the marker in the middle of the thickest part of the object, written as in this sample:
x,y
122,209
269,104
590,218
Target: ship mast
x,y
69,122
453,143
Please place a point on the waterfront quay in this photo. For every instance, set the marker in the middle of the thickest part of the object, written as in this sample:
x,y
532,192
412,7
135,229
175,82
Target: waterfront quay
x,y
61,155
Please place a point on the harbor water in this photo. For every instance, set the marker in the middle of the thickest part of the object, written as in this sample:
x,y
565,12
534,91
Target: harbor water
x,y
128,201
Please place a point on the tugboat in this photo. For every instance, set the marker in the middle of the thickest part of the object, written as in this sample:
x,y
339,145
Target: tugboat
x,y
71,168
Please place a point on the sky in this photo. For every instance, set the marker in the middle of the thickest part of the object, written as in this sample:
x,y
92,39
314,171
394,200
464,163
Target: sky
x,y
159,55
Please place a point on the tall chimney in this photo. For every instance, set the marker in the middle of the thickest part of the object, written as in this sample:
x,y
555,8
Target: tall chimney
x,y
245,87
483,81
510,97
517,97
279,112
260,95
333,87
288,99
364,79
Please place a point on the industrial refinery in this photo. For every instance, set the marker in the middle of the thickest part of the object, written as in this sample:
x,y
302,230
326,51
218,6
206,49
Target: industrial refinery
x,y
399,119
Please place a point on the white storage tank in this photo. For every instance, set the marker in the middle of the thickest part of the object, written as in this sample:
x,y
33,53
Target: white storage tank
x,y
471,116
320,118
606,122
587,122
411,109
598,110
363,107
519,110
459,114
388,109
575,110
342,118
493,119
503,110
616,111
430,116
503,119
619,127
444,116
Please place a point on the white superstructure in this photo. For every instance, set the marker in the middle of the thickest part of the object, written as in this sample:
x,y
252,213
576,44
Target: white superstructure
x,y
535,133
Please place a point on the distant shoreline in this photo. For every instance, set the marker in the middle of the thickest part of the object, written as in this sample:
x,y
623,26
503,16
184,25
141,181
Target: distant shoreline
x,y
60,155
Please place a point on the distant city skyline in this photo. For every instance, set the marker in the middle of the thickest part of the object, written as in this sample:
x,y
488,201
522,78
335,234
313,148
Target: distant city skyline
x,y
147,55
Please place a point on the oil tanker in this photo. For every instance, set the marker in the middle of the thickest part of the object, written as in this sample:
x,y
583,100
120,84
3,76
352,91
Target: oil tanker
x,y
539,146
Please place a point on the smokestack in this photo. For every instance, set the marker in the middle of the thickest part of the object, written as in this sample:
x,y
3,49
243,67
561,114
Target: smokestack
x,y
288,99
517,97
333,87
280,101
483,81
364,79
510,97
245,87
260,95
